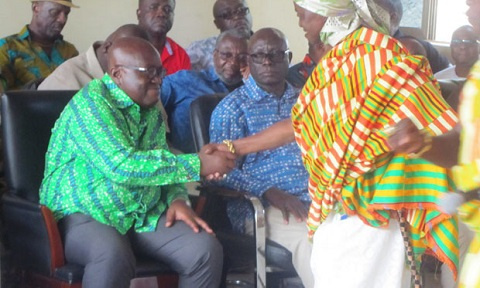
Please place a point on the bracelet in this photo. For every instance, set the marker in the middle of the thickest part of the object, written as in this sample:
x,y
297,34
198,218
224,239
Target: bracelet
x,y
427,145
229,144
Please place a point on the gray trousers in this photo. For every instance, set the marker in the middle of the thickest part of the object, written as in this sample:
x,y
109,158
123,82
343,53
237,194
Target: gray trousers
x,y
109,259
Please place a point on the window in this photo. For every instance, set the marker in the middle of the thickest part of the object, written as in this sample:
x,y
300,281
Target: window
x,y
437,18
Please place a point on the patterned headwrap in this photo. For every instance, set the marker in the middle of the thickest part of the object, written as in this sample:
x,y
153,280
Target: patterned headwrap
x,y
345,16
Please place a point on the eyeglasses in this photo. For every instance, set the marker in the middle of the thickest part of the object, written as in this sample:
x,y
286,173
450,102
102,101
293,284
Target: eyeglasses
x,y
275,56
151,72
463,41
166,9
239,12
228,56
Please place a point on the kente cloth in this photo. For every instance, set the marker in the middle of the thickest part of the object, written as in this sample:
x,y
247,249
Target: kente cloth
x,y
364,85
467,173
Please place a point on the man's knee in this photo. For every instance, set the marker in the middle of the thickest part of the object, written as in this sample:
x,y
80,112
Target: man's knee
x,y
205,251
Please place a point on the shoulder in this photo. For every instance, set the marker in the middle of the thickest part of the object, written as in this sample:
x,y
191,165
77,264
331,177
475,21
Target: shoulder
x,y
68,48
176,48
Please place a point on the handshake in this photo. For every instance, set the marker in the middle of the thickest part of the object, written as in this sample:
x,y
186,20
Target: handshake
x,y
216,160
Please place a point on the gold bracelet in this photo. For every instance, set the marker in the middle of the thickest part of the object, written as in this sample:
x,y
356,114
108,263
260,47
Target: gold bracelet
x,y
427,145
229,144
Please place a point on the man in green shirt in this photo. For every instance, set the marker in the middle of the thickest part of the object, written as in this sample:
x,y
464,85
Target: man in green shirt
x,y
113,184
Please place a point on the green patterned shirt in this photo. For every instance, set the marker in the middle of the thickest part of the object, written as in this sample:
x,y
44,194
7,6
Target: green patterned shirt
x,y
109,159
23,61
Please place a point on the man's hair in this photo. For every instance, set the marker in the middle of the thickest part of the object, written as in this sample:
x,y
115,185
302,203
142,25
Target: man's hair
x,y
231,33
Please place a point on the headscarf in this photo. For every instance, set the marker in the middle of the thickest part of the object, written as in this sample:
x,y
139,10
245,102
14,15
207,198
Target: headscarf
x,y
345,16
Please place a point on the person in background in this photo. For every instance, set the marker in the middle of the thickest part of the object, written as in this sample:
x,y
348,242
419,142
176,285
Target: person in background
x,y
31,55
413,45
265,99
227,15
78,71
180,89
299,73
464,51
437,61
113,185
156,17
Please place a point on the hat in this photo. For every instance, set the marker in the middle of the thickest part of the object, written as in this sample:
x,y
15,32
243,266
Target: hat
x,y
67,3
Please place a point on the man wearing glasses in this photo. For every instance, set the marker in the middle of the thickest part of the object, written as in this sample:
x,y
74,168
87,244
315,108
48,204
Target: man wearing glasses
x,y
276,176
464,51
113,185
228,15
180,89
156,17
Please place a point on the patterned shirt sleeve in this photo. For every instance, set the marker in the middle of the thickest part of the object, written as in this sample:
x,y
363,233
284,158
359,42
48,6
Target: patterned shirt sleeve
x,y
112,150
228,122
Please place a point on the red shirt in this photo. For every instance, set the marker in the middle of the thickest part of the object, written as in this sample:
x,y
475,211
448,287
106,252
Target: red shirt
x,y
174,57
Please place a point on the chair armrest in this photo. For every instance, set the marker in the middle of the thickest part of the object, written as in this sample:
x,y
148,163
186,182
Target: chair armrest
x,y
32,235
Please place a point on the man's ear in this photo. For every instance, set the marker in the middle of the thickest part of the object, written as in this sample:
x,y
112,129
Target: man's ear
x,y
138,14
106,46
217,24
290,55
116,73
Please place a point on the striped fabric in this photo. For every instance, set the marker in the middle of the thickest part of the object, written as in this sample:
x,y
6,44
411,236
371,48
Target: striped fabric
x,y
467,173
364,85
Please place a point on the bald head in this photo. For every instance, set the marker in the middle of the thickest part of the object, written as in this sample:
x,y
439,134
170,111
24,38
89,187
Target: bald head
x,y
135,66
128,30
132,51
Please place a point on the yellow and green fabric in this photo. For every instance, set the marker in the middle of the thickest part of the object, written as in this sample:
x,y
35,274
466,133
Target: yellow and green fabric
x,y
23,61
467,173
364,85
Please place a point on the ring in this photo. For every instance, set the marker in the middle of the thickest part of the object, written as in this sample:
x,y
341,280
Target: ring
x,y
224,175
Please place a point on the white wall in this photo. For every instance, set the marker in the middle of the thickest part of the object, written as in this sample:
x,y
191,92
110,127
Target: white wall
x,y
96,19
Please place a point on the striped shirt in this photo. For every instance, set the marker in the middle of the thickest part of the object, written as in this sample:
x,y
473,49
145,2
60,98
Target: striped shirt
x,y
364,84
23,61
108,159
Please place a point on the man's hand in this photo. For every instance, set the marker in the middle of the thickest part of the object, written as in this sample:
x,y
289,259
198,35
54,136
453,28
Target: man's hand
x,y
180,211
212,147
215,162
287,204
406,138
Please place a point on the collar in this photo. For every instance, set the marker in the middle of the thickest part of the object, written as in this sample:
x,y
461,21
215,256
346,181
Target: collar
x,y
119,97
256,93
24,34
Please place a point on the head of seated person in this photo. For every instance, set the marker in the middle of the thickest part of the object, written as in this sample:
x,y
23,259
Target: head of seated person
x,y
135,66
269,59
230,57
233,15
464,49
156,17
413,45
48,19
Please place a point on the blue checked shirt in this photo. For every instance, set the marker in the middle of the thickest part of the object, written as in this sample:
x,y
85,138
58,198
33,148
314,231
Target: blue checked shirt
x,y
247,111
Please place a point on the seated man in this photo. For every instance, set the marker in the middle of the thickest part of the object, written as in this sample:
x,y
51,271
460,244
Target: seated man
x,y
181,88
156,17
464,51
277,176
114,186
28,57
227,15
78,71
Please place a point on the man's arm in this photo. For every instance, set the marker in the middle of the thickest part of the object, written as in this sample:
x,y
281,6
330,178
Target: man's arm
x,y
99,136
406,138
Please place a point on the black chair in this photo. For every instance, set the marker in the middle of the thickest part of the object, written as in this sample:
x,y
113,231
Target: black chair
x,y
244,254
32,236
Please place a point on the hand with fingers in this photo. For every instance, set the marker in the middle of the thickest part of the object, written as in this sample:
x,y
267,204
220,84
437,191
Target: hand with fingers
x,y
287,204
215,162
406,138
180,211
